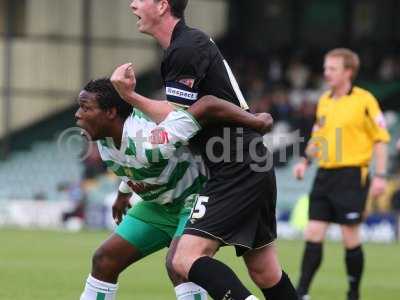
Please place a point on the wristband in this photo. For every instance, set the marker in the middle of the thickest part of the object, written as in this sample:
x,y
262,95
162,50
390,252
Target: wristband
x,y
124,188
306,160
381,175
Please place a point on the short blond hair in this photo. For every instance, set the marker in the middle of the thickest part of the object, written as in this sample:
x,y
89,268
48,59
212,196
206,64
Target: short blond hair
x,y
351,60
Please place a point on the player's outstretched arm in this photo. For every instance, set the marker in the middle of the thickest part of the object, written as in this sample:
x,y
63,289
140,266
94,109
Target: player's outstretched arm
x,y
210,109
124,81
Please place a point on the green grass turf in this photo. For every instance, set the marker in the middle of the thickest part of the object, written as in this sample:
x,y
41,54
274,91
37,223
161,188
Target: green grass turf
x,y
53,265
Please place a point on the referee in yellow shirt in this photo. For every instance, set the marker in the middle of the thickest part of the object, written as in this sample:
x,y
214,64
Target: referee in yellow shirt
x,y
349,128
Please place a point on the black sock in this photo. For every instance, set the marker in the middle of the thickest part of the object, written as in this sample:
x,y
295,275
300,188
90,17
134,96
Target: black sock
x,y
312,258
283,290
218,279
354,267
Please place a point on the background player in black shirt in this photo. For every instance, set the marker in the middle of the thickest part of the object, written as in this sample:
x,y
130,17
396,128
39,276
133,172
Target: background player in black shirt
x,y
237,206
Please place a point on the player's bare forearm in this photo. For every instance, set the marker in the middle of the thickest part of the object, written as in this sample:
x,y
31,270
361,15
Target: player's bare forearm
x,y
157,110
380,152
124,82
210,109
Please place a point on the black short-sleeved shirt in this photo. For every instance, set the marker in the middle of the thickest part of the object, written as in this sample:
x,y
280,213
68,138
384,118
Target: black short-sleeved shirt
x,y
237,204
194,67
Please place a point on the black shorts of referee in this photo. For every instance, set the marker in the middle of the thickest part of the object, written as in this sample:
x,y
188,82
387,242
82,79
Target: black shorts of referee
x,y
339,195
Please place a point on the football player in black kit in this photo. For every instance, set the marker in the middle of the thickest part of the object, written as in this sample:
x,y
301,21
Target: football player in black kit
x,y
237,205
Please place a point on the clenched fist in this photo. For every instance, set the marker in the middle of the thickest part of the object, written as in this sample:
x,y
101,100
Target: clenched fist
x,y
124,80
267,120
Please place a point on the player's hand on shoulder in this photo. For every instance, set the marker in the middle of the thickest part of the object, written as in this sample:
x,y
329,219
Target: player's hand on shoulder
x,y
378,186
267,120
300,169
124,80
121,206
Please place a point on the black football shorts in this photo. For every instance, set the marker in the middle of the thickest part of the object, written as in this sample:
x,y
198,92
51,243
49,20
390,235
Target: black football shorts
x,y
237,206
339,195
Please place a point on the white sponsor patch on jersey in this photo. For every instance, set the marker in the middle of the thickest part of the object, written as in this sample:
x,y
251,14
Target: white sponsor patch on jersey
x,y
181,94
159,136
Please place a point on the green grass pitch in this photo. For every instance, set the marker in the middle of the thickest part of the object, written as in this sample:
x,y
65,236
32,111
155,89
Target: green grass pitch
x,y
53,265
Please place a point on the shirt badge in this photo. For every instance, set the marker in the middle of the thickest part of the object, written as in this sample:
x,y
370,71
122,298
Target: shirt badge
x,y
187,82
380,121
159,136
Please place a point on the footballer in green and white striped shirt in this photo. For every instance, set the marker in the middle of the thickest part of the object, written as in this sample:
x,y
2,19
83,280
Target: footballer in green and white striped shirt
x,y
165,176
164,173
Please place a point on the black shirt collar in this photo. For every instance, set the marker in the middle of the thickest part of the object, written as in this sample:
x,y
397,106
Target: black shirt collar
x,y
179,28
348,93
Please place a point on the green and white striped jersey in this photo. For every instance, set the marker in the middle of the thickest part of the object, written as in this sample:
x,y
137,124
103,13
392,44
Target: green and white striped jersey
x,y
162,173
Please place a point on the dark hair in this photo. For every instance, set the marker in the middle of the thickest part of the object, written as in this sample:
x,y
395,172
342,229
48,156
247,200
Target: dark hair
x,y
177,7
108,97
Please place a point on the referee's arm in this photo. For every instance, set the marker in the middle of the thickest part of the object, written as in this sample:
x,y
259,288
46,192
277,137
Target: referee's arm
x,y
310,152
381,137
378,183
301,167
381,154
